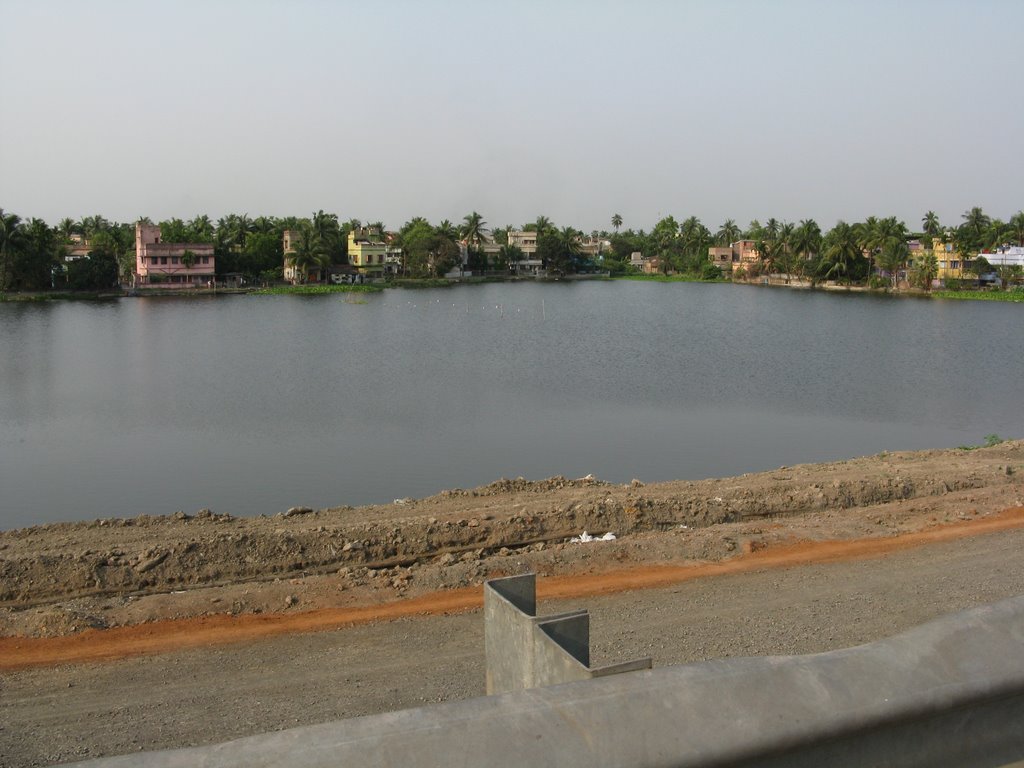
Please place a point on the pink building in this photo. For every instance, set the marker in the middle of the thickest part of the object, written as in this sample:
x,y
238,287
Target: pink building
x,y
179,265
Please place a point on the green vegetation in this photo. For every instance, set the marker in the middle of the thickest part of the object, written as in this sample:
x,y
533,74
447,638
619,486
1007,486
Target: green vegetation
x,y
990,441
1016,296
881,253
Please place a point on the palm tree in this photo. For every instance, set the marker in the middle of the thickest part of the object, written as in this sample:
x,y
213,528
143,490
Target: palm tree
x,y
447,231
926,268
326,227
932,227
474,230
1016,226
806,239
264,225
728,233
976,222
445,253
541,225
307,251
11,239
841,251
616,222
65,228
91,225
996,234
201,229
892,258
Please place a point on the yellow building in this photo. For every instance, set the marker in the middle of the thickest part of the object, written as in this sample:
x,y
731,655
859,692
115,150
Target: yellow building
x,y
951,263
367,251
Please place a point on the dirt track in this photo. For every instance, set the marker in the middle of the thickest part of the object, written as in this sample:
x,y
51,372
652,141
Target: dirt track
x,y
208,694
175,634
798,560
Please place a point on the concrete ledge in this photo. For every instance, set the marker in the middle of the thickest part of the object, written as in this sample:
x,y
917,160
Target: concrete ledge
x,y
948,693
524,650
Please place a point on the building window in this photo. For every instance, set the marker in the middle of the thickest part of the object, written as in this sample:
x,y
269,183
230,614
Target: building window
x,y
206,259
174,259
163,259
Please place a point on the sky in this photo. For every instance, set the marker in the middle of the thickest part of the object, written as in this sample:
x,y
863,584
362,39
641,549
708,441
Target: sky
x,y
574,110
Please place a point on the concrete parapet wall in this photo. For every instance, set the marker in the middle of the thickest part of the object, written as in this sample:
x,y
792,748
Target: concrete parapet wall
x,y
528,651
948,693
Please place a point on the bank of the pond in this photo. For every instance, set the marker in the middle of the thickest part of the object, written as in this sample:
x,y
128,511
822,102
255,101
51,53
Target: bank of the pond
x,y
1014,297
316,290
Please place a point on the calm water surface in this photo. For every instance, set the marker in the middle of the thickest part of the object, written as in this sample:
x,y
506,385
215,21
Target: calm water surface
x,y
250,405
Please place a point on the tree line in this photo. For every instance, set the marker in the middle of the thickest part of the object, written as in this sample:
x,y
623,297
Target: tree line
x,y
32,253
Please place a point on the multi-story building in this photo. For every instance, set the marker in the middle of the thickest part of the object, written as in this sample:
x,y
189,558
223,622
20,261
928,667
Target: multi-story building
x,y
740,253
368,252
949,260
524,241
292,272
178,265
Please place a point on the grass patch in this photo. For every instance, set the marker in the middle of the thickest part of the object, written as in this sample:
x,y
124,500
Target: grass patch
x,y
58,296
990,441
1015,297
316,290
421,282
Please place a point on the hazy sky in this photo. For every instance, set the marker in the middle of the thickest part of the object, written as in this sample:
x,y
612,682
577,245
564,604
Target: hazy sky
x,y
575,110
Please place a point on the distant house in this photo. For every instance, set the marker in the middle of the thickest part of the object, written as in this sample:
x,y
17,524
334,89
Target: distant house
x,y
292,273
526,242
950,261
177,265
741,253
722,257
79,247
368,251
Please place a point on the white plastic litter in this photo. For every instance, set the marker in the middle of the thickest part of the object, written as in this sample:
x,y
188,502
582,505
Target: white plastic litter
x,y
585,537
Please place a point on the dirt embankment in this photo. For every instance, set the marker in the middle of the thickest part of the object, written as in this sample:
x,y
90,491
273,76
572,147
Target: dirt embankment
x,y
64,578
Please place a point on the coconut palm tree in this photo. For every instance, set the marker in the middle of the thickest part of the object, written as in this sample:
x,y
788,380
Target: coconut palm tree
x,y
474,229
925,270
728,233
806,239
201,229
976,222
540,226
66,228
892,258
264,225
326,227
11,241
307,252
997,233
930,222
841,251
91,225
1016,226
616,222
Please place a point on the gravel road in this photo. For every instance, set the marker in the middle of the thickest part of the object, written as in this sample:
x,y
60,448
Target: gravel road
x,y
191,697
